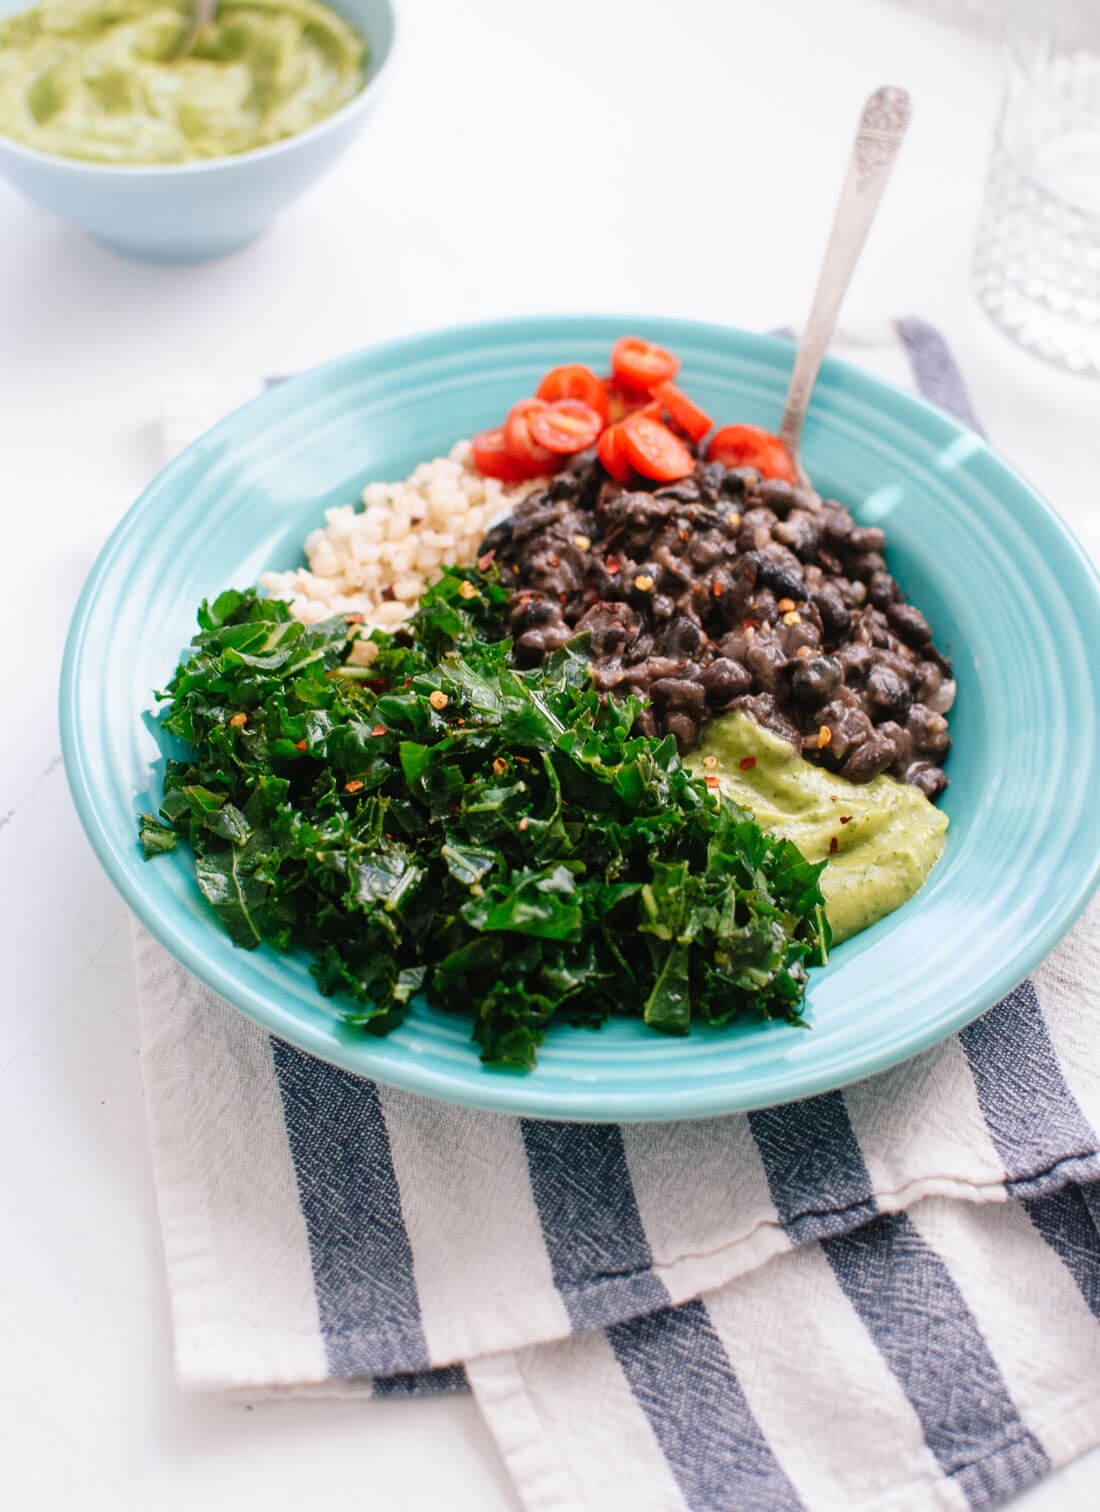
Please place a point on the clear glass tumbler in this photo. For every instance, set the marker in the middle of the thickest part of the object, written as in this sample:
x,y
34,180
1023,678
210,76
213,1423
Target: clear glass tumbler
x,y
1036,264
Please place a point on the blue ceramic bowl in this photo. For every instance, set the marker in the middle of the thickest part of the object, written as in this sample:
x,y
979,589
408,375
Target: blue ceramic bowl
x,y
1007,590
188,212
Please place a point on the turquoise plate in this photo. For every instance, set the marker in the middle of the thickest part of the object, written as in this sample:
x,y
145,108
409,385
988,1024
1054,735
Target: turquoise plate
x,y
1008,592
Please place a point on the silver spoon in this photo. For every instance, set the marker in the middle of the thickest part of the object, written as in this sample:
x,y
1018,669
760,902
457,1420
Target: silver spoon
x,y
881,129
204,14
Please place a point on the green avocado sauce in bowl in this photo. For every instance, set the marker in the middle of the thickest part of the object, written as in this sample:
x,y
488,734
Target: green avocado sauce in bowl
x,y
100,80
880,838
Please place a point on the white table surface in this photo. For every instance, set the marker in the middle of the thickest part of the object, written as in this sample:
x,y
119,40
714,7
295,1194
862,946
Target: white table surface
x,y
526,157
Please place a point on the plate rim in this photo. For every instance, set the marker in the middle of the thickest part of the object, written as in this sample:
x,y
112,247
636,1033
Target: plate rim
x,y
514,1095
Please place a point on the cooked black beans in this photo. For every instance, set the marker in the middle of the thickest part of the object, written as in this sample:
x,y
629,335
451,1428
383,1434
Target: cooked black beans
x,y
725,591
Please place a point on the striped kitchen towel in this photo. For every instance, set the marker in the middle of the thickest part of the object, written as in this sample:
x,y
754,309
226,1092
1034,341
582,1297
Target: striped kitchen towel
x,y
882,1298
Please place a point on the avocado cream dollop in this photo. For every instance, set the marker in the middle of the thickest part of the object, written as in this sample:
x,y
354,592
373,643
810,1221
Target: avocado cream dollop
x,y
880,838
100,79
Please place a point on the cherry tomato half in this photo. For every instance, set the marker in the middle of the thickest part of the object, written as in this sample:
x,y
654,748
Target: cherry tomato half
x,y
574,381
639,364
683,411
566,426
654,450
611,450
750,446
492,457
525,450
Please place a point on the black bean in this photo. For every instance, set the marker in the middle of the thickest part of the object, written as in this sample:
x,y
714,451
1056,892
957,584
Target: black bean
x,y
733,484
565,486
679,693
684,728
813,678
836,523
848,726
764,659
836,617
869,759
498,538
763,708
530,518
712,476
866,538
801,532
777,495
782,573
928,729
927,777
888,694
910,624
884,591
682,636
684,492
724,680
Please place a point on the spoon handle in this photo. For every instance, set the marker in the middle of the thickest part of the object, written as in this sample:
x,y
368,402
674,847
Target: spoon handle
x,y
881,129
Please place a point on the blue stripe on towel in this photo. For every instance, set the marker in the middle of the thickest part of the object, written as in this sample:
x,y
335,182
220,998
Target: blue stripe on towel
x,y
679,1372
1066,1222
422,1383
911,1307
598,1250
362,1263
1036,1126
935,371
815,1169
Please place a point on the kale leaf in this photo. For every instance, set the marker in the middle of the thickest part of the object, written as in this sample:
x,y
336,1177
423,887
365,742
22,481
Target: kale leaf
x,y
434,819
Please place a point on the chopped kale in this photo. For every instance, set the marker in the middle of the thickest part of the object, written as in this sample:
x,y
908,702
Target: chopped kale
x,y
438,821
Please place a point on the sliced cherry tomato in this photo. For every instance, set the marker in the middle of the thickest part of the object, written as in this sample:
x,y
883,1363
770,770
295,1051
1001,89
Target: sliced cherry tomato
x,y
566,426
750,446
492,457
575,381
524,448
683,411
640,365
654,450
619,402
611,450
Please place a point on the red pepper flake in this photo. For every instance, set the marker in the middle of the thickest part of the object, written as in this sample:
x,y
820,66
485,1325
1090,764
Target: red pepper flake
x,y
845,818
379,730
696,589
408,682
300,745
712,782
834,846
747,763
387,595
486,561
613,565
522,824
239,721
353,619
516,571
353,786
460,721
525,759
685,535
749,624
717,589
564,597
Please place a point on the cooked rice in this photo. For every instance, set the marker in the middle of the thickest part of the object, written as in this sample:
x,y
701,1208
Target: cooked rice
x,y
376,561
